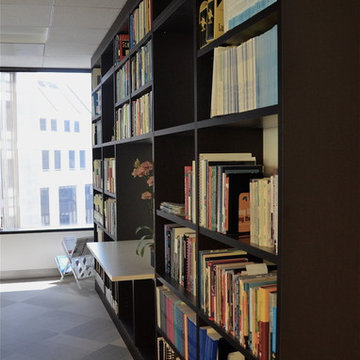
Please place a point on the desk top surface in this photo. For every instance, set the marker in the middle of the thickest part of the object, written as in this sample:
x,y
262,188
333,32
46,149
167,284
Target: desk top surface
x,y
120,262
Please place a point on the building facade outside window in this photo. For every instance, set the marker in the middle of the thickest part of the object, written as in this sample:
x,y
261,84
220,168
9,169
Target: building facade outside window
x,y
77,126
82,159
45,160
53,125
67,125
67,205
42,124
57,159
45,208
71,159
89,203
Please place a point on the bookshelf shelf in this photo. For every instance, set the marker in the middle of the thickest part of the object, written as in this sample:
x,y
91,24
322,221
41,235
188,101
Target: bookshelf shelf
x,y
107,76
179,291
110,194
122,101
142,90
176,219
98,86
147,138
254,26
142,42
96,118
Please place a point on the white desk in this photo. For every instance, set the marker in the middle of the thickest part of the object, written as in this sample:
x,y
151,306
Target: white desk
x,y
120,262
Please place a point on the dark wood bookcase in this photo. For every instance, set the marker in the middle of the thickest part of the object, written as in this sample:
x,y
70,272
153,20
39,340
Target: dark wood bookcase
x,y
311,136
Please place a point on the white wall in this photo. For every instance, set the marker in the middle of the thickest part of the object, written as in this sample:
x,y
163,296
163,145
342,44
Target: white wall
x,y
32,254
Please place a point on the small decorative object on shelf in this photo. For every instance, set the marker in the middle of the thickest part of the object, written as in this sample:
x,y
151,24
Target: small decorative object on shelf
x,y
145,170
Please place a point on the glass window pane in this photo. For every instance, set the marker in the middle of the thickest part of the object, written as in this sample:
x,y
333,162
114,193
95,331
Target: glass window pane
x,y
53,125
82,159
42,124
89,203
45,159
67,125
76,126
71,159
45,209
67,205
57,159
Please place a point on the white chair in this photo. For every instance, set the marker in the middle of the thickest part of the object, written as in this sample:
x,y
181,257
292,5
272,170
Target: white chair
x,y
80,259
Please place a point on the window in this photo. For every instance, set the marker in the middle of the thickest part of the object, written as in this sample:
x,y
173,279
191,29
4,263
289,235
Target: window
x,y
45,209
89,203
71,159
32,166
82,159
67,125
57,159
43,124
45,160
53,125
67,205
76,126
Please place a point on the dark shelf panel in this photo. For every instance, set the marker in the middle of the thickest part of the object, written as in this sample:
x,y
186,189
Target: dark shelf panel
x,y
140,138
108,143
96,118
122,101
143,41
99,225
254,26
110,194
242,243
162,334
175,129
179,291
107,75
176,219
234,342
166,13
249,119
97,146
142,90
97,189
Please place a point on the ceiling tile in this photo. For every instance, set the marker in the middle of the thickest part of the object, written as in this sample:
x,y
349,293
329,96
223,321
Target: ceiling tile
x,y
77,17
68,49
28,2
80,36
114,4
21,61
23,34
21,49
78,62
25,15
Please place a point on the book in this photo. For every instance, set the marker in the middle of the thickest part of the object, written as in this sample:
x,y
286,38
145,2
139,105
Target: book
x,y
203,24
215,19
173,208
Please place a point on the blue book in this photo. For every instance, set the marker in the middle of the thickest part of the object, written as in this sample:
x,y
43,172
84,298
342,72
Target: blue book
x,y
191,328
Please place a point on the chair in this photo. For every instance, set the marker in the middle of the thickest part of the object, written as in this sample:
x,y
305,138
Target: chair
x,y
80,260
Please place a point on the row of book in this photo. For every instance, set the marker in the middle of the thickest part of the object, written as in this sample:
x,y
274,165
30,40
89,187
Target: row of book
x,y
110,215
98,209
97,173
122,82
245,76
141,110
97,133
173,208
238,11
180,256
121,47
177,321
140,22
95,77
190,192
164,350
241,297
264,212
96,103
217,17
123,124
141,67
110,175
99,234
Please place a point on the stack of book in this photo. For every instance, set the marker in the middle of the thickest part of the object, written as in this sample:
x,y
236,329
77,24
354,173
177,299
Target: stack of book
x,y
172,208
141,114
245,77
123,124
122,47
165,351
109,175
141,67
264,212
97,177
98,208
97,133
140,22
177,321
122,82
180,258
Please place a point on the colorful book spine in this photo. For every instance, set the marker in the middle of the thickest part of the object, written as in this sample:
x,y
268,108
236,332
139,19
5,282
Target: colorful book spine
x,y
141,67
110,215
123,123
110,175
122,82
141,115
97,173
140,22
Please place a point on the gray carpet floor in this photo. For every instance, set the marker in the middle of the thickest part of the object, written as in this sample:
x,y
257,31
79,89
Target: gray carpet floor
x,y
53,320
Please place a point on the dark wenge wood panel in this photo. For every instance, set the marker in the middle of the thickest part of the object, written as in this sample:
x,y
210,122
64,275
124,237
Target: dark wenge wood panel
x,y
320,180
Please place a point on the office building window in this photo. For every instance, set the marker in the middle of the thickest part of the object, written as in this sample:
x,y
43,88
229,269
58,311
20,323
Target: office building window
x,y
57,159
76,126
53,125
45,208
71,159
45,159
89,203
42,124
67,205
82,159
67,125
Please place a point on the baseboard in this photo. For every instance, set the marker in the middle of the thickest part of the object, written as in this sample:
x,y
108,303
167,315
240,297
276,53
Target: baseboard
x,y
26,274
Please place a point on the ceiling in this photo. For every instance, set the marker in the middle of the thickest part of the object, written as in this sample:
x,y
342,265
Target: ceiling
x,y
53,33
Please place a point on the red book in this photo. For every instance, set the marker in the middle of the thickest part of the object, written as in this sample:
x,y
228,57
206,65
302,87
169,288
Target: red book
x,y
123,48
